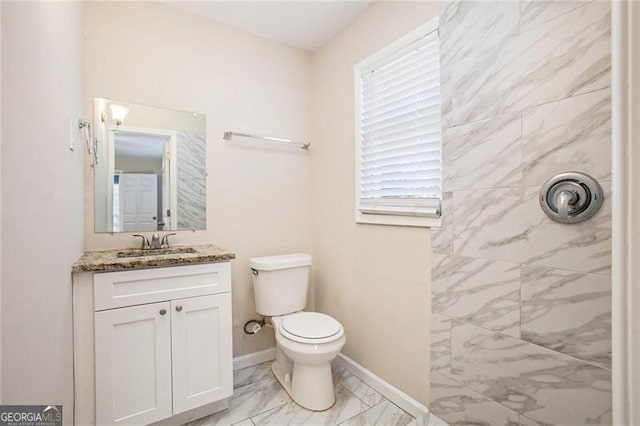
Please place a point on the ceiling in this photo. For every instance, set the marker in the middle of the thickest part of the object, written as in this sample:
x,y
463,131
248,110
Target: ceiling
x,y
303,24
139,145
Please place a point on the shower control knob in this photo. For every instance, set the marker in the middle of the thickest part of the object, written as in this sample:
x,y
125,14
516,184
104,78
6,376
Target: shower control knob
x,y
571,197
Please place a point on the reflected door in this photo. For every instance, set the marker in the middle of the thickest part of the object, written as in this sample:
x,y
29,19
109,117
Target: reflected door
x,y
139,202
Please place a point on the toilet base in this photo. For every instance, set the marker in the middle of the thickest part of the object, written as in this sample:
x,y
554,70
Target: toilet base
x,y
319,396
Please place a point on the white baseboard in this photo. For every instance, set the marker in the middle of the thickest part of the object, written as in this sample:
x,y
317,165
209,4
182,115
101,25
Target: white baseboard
x,y
254,358
393,394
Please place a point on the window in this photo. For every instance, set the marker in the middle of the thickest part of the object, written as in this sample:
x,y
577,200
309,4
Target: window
x,y
398,134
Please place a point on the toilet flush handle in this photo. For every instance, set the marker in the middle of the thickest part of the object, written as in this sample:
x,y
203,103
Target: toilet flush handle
x,y
254,271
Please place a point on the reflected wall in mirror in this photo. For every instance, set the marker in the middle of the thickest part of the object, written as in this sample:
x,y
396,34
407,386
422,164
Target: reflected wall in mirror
x,y
151,172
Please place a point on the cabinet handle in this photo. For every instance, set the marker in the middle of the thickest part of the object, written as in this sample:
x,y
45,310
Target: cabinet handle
x,y
163,311
178,308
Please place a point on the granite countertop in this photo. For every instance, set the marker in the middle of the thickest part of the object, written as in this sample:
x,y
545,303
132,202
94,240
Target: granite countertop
x,y
108,260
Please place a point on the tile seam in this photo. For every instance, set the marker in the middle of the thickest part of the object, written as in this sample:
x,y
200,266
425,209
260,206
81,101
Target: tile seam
x,y
593,364
525,264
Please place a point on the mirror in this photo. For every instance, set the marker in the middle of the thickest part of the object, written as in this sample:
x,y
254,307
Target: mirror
x,y
150,173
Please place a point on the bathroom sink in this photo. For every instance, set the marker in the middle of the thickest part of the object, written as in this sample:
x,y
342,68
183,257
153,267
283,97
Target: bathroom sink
x,y
156,252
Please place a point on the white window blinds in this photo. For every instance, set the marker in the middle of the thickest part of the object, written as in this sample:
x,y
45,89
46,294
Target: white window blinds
x,y
400,167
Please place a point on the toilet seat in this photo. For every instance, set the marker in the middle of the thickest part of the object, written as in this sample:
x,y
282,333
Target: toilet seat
x,y
310,327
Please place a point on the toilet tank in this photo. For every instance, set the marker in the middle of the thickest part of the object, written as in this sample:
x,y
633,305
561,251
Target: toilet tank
x,y
280,283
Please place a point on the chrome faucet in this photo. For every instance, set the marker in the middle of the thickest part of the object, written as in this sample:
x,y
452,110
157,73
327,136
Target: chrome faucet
x,y
165,240
155,241
145,242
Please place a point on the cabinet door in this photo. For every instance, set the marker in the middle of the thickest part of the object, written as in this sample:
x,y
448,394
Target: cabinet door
x,y
133,364
202,352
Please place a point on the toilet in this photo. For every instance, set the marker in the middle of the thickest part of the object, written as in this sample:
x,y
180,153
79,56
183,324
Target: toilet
x,y
306,342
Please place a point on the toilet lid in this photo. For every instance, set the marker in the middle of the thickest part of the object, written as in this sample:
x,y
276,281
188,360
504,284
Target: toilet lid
x,y
310,326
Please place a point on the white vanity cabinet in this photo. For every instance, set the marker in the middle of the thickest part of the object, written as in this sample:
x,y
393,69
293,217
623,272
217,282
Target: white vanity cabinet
x,y
133,364
161,342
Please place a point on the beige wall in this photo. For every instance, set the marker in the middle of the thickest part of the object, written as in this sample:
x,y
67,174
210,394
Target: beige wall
x,y
42,188
258,198
159,118
374,279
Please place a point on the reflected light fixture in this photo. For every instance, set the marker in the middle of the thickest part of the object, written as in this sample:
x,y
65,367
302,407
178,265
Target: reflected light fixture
x,y
118,114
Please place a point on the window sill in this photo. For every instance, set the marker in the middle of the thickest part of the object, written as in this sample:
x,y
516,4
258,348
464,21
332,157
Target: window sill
x,y
384,219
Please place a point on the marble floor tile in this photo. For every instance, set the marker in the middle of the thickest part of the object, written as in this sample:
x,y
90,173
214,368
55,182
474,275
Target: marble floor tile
x,y
440,343
259,399
339,373
483,154
541,384
481,291
384,413
568,312
536,12
252,374
248,401
460,406
570,134
347,406
362,391
563,57
435,421
246,422
442,238
509,225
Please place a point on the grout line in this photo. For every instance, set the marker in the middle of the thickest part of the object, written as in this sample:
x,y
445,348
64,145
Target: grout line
x,y
369,407
252,383
481,120
270,409
272,379
571,96
356,396
524,264
479,393
593,364
508,112
355,415
496,188
385,400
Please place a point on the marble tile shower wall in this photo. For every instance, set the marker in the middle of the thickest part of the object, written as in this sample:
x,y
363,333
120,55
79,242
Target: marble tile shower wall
x,y
521,305
191,181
